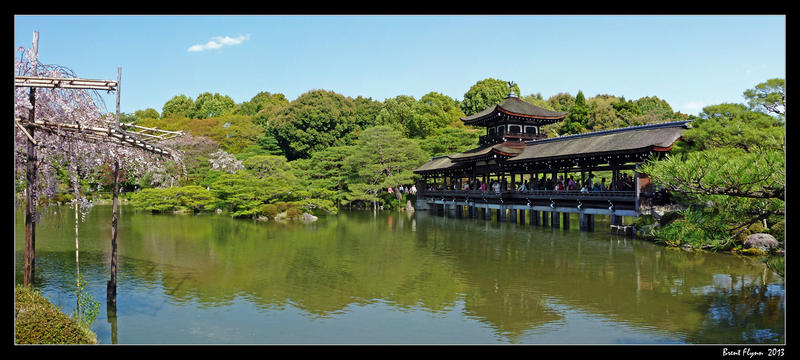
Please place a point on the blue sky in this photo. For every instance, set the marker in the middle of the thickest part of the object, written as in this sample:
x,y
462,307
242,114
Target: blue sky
x,y
690,61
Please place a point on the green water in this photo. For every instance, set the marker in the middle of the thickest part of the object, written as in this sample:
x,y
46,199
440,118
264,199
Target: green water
x,y
398,279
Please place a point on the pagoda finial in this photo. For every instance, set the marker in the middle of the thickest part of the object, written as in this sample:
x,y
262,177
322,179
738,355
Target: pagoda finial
x,y
511,93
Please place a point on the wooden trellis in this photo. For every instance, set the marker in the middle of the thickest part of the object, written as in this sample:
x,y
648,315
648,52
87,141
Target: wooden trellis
x,y
113,134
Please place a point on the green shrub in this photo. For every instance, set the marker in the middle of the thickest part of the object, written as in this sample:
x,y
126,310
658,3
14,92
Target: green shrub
x,y
37,321
270,211
698,229
778,229
282,206
192,197
294,213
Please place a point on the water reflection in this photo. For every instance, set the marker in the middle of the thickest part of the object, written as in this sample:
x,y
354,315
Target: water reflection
x,y
520,283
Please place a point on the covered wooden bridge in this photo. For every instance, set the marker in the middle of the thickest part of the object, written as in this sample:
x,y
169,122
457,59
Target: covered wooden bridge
x,y
485,181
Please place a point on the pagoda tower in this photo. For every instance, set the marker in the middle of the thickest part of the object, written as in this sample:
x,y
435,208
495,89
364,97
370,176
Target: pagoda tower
x,y
512,120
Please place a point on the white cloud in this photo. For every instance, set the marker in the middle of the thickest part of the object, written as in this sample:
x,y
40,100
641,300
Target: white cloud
x,y
218,42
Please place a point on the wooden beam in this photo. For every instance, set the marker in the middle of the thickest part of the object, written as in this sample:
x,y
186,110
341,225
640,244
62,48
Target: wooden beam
x,y
64,83
107,133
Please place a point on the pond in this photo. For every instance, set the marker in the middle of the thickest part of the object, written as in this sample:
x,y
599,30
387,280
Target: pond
x,y
396,278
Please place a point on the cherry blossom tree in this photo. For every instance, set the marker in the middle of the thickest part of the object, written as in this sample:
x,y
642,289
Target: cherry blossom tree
x,y
52,132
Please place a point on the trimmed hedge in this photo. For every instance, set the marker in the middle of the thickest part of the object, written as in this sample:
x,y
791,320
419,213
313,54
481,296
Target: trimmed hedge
x,y
37,321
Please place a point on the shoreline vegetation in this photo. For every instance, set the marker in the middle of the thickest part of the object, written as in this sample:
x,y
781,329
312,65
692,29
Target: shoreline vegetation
x,y
37,321
271,159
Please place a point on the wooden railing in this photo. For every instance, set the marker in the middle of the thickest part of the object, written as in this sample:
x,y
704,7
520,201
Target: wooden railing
x,y
498,138
537,194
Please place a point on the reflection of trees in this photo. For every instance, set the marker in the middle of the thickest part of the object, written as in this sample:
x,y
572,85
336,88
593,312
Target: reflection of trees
x,y
506,277
625,280
748,312
321,268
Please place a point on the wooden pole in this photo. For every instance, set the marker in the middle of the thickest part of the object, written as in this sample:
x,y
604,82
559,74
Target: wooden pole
x,y
111,289
30,180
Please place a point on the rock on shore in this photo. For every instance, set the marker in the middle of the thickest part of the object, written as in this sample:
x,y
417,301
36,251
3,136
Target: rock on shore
x,y
763,242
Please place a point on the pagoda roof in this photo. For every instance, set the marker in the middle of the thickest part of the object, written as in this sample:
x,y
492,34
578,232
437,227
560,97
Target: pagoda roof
x,y
511,148
514,106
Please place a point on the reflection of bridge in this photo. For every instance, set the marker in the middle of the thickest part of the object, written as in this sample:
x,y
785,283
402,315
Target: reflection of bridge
x,y
534,207
511,163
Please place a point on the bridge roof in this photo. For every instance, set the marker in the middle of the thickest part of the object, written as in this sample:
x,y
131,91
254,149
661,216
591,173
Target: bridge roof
x,y
637,139
436,164
658,137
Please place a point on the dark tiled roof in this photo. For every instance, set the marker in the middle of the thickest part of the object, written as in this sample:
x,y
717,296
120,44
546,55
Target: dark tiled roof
x,y
515,106
506,149
602,142
437,163
646,137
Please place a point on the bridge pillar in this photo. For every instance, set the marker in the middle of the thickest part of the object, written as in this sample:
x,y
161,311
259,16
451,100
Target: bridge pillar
x,y
459,211
501,214
616,220
587,222
566,220
544,217
482,211
534,217
512,215
554,220
522,217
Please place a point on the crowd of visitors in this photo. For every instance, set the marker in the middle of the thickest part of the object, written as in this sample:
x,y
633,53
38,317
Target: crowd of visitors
x,y
403,190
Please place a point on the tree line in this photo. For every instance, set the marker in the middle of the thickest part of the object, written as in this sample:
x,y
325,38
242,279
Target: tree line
x,y
324,150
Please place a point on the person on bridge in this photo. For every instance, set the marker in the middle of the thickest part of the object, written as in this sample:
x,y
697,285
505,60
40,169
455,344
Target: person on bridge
x,y
571,185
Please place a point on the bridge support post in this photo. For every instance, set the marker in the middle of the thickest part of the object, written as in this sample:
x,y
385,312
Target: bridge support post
x,y
544,217
459,211
554,220
566,220
522,217
582,221
482,211
587,222
534,217
616,220
501,214
512,215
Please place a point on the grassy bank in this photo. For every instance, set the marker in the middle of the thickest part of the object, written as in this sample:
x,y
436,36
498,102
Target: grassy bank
x,y
37,321
692,230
